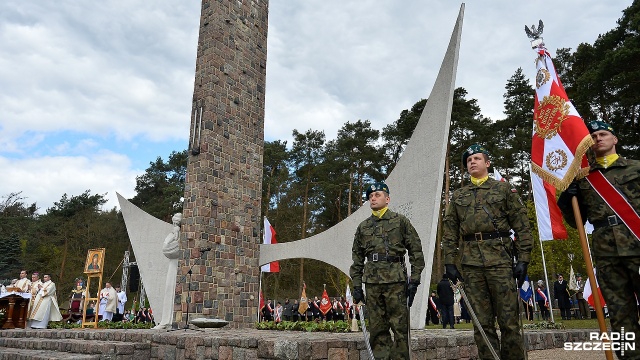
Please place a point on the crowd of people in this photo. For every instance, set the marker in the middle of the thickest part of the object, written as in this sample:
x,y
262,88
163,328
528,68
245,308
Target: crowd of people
x,y
43,303
340,309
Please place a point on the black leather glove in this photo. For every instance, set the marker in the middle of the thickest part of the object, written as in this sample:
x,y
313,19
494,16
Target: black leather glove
x,y
564,201
520,272
452,273
358,295
412,289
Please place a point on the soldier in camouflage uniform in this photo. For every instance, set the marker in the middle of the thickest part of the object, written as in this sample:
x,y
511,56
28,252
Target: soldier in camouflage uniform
x,y
615,249
383,239
477,224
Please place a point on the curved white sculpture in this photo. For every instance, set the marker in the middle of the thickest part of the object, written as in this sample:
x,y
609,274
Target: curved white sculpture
x,y
415,184
146,234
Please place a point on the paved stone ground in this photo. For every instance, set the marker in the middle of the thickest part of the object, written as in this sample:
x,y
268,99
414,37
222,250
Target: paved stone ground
x,y
561,354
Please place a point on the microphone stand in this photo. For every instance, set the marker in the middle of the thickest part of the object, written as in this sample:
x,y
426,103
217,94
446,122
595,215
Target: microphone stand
x,y
186,323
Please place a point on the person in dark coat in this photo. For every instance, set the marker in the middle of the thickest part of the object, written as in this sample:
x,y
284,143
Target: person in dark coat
x,y
432,309
561,293
464,313
445,294
287,310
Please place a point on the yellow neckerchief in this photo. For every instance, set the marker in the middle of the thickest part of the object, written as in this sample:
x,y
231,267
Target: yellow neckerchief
x,y
478,182
379,213
608,160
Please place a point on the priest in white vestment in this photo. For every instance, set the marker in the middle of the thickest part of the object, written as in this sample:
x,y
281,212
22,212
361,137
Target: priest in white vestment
x,y
45,307
122,300
34,288
23,283
108,302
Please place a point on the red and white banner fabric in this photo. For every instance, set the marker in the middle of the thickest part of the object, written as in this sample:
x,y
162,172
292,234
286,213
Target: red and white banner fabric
x,y
270,238
560,137
550,225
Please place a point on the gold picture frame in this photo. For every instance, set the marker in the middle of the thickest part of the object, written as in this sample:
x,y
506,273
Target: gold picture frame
x,y
95,261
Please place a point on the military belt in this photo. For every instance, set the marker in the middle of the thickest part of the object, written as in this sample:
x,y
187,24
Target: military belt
x,y
486,236
612,220
375,257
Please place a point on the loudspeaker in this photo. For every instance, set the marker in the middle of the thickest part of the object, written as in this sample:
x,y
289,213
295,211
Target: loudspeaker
x,y
134,279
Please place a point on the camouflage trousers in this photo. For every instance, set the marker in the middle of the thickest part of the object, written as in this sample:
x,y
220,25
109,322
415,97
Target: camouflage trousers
x,y
387,310
619,278
492,294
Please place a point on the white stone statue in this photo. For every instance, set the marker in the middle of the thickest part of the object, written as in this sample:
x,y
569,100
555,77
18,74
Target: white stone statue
x,y
170,249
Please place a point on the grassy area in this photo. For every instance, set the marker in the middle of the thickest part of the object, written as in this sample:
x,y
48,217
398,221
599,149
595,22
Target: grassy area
x,y
570,324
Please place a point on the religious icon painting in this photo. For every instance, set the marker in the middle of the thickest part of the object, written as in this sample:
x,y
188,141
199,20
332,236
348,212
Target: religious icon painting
x,y
95,261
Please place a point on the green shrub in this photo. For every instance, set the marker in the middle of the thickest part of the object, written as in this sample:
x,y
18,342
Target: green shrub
x,y
543,325
309,326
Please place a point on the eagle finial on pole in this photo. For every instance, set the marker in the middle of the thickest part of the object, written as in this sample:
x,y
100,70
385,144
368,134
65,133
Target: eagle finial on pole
x,y
535,34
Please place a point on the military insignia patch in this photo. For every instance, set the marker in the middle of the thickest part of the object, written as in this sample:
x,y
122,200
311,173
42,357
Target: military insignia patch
x,y
513,190
549,115
556,160
542,77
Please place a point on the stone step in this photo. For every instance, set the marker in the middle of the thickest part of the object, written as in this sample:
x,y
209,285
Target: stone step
x,y
103,349
30,354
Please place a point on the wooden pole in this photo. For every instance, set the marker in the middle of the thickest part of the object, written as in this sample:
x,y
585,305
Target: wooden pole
x,y
592,278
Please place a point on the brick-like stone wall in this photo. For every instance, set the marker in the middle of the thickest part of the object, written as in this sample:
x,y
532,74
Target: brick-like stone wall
x,y
224,174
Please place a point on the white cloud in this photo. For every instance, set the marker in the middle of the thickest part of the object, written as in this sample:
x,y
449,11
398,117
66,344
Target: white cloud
x,y
92,90
44,180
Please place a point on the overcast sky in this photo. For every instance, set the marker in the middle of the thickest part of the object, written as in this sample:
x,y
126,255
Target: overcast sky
x,y
91,92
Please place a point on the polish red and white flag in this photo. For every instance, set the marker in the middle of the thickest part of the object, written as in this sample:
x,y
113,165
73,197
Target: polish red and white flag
x,y
588,293
270,238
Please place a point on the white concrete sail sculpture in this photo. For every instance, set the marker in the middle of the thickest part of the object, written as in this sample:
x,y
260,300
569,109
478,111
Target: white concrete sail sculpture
x,y
415,184
147,234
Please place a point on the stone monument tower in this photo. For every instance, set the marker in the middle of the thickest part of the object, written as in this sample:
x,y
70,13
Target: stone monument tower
x,y
224,174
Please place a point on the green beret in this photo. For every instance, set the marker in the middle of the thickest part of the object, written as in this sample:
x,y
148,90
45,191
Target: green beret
x,y
473,149
379,186
597,125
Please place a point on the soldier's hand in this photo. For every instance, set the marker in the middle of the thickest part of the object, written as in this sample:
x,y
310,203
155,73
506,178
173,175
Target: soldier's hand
x,y
520,272
573,189
358,295
452,273
412,289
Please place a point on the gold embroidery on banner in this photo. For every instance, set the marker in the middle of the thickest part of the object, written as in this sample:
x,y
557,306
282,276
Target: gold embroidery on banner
x,y
542,77
550,114
556,160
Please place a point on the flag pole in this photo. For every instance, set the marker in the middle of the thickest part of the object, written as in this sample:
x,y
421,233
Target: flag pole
x,y
592,278
546,277
259,294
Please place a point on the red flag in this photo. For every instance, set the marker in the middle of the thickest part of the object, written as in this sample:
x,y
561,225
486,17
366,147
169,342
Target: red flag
x,y
560,137
588,293
270,238
325,303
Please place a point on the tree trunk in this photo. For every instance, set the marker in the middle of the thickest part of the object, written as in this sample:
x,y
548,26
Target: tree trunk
x,y
64,259
350,189
304,223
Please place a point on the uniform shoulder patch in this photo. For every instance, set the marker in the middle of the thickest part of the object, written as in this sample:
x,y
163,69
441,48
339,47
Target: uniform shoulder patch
x,y
513,190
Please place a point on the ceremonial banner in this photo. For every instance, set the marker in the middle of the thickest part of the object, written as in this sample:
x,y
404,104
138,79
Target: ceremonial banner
x,y
270,238
573,284
548,215
325,303
526,292
304,303
560,137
